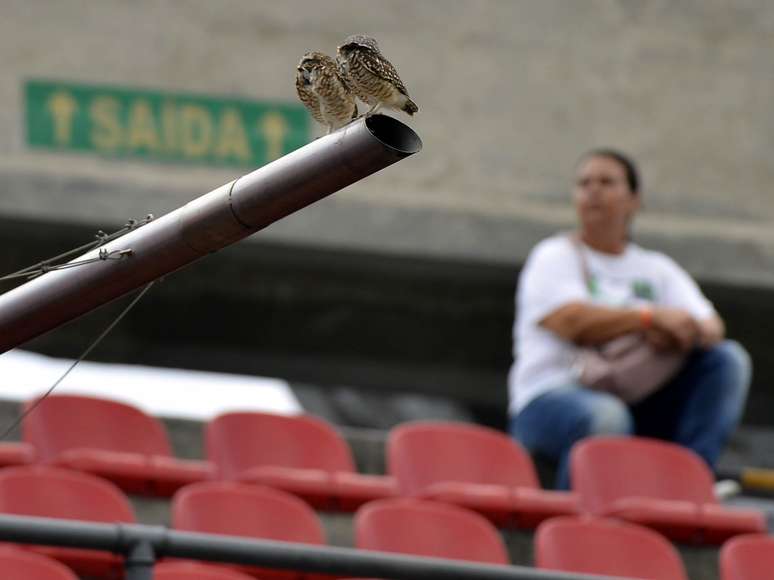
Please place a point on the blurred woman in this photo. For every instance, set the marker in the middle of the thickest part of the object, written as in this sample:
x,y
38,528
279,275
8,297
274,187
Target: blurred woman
x,y
624,289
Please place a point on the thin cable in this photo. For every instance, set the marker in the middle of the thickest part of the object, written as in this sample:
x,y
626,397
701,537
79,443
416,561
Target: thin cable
x,y
86,352
104,255
102,239
79,249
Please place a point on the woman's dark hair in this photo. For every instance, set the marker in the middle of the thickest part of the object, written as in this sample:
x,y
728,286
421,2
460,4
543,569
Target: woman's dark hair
x,y
630,168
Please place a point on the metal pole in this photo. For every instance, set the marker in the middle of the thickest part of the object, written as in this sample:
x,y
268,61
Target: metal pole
x,y
211,222
264,553
139,563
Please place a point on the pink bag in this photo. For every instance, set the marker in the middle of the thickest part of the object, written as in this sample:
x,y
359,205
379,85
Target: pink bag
x,y
627,366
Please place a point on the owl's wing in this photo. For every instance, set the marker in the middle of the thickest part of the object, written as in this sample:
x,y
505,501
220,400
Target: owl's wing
x,y
382,68
344,79
353,86
345,87
309,99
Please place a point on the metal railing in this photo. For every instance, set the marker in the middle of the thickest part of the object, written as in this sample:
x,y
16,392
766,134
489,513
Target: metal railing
x,y
141,545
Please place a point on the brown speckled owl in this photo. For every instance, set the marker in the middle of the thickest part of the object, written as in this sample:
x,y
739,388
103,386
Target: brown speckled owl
x,y
373,78
324,91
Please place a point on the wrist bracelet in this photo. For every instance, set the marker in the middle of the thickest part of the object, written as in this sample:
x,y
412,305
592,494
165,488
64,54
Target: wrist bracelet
x,y
646,317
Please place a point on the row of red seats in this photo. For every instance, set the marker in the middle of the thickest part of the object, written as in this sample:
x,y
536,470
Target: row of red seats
x,y
399,525
658,484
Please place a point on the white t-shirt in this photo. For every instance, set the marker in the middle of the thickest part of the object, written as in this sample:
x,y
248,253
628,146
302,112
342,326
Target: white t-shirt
x,y
552,277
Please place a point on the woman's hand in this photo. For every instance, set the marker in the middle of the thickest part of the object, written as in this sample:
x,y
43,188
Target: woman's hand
x,y
674,328
711,331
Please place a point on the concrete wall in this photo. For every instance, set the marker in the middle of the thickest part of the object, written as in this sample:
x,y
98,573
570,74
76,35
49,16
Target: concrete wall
x,y
510,93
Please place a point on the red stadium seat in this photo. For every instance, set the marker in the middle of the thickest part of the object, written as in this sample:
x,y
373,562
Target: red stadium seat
x,y
658,484
58,493
16,453
430,529
607,547
252,511
474,467
110,439
18,564
747,557
195,571
299,454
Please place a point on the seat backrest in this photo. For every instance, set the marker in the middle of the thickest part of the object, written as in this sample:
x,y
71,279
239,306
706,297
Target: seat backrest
x,y
59,493
235,442
238,509
747,557
606,469
426,528
63,422
195,571
19,564
606,547
16,453
422,453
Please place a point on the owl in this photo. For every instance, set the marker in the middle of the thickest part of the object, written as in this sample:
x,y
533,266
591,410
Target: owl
x,y
324,90
373,78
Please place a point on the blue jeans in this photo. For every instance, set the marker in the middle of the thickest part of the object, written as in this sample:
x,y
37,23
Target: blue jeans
x,y
699,408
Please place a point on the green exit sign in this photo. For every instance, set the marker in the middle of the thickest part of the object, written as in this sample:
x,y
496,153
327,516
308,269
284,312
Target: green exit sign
x,y
165,126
